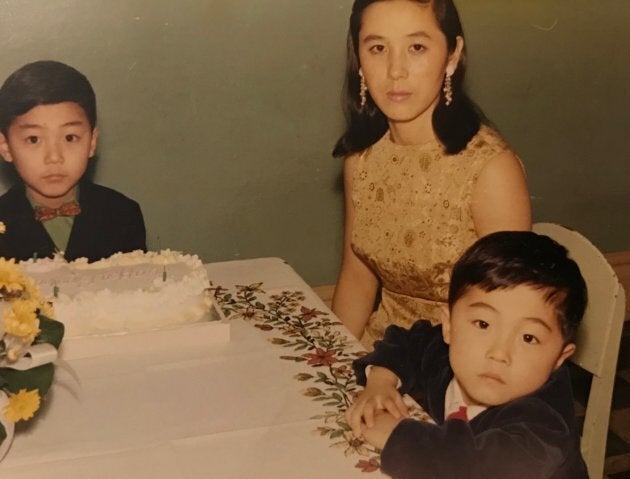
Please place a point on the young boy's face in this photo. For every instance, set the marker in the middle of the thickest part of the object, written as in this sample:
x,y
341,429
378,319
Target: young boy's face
x,y
504,344
50,146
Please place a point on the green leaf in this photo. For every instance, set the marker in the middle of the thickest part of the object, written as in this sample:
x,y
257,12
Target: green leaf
x,y
51,331
344,426
336,434
289,358
37,378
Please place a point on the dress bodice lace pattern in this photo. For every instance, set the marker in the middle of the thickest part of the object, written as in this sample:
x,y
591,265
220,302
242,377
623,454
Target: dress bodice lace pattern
x,y
413,220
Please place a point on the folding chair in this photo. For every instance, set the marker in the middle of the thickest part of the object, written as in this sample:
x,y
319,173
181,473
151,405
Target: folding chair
x,y
598,338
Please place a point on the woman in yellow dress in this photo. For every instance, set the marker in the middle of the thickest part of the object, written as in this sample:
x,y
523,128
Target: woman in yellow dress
x,y
425,174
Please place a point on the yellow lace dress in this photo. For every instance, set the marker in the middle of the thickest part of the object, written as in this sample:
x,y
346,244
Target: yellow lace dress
x,y
413,219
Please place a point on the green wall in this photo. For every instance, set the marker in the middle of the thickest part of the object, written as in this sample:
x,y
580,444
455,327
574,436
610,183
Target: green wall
x,y
218,116
553,75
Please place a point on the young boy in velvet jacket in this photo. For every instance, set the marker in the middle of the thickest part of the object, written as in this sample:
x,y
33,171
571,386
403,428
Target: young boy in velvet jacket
x,y
492,376
48,131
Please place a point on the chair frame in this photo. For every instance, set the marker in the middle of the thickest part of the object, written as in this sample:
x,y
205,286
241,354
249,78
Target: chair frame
x,y
598,339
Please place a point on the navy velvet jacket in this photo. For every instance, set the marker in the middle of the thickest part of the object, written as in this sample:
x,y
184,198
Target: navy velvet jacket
x,y
109,222
533,437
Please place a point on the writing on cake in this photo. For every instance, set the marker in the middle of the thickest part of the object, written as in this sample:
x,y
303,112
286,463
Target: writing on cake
x,y
127,292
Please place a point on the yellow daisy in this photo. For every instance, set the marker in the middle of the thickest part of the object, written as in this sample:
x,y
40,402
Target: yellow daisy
x,y
46,308
31,289
22,406
21,321
11,278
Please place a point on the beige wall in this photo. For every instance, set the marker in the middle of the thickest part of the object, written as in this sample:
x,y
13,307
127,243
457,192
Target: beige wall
x,y
218,116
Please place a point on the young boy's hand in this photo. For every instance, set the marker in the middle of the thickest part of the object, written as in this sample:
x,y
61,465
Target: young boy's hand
x,y
380,394
384,424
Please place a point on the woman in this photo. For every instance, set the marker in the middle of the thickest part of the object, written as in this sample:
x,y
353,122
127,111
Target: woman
x,y
424,173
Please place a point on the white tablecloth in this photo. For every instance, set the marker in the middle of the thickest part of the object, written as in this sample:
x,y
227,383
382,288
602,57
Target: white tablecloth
x,y
262,405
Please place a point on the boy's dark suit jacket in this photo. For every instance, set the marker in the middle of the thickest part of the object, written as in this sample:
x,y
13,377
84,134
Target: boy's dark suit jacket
x,y
109,222
531,437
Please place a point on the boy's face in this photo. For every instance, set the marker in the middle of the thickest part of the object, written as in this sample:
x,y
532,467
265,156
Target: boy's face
x,y
50,146
503,344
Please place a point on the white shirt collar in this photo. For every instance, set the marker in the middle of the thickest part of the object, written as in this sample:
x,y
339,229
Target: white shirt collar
x,y
454,399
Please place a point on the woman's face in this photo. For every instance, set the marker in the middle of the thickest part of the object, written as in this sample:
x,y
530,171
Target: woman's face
x,y
404,58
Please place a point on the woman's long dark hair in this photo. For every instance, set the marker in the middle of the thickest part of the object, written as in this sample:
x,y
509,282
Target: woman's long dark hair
x,y
454,125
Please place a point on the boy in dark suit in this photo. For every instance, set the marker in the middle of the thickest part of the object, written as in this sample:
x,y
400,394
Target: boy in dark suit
x,y
491,376
48,131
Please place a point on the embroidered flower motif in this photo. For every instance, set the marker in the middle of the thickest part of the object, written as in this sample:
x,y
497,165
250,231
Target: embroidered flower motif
x,y
352,445
251,313
302,328
368,466
308,314
320,358
342,372
22,405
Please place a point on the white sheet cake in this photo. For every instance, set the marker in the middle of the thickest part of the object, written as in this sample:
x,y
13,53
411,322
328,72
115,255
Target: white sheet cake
x,y
127,292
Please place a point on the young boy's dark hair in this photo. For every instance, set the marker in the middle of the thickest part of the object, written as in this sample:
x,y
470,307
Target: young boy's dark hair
x,y
44,82
511,258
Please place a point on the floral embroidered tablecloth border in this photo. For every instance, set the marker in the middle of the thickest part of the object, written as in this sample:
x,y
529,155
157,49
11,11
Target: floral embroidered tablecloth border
x,y
312,338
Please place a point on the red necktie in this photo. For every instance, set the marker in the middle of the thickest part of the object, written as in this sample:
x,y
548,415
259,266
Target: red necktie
x,y
459,414
43,213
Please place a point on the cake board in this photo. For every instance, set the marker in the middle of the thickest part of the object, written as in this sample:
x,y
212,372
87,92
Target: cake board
x,y
214,328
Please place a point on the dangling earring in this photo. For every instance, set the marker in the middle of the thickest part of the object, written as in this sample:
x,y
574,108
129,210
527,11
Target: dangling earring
x,y
448,90
362,89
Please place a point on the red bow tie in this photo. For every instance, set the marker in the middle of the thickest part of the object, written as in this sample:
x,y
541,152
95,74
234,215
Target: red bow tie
x,y
43,213
459,414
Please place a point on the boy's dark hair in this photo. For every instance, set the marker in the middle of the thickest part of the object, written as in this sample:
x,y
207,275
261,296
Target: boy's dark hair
x,y
507,259
44,82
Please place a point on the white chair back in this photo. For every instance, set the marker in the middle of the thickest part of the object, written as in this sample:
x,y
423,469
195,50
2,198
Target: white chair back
x,y
598,338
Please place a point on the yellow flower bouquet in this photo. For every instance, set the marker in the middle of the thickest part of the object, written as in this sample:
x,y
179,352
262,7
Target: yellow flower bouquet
x,y
29,339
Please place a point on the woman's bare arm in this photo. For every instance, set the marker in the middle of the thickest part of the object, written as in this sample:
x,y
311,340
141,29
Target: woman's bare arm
x,y
357,285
